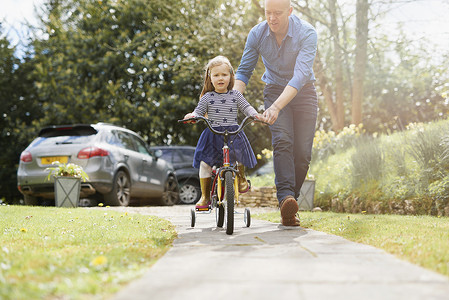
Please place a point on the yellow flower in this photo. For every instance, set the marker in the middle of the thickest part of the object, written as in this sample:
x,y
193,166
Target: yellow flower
x,y
100,204
23,229
99,261
259,156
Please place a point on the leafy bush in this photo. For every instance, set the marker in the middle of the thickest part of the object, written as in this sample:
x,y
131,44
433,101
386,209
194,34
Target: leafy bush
x,y
425,146
439,190
367,161
405,172
329,143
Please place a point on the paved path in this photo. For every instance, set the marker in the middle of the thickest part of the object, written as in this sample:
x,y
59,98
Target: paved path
x,y
267,261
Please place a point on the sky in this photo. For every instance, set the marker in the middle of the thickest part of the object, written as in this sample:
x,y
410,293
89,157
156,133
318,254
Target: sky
x,y
421,18
14,14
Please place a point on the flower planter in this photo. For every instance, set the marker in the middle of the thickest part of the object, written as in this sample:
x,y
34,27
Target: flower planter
x,y
305,199
67,191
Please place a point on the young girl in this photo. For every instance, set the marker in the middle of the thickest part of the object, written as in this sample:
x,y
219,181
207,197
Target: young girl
x,y
221,104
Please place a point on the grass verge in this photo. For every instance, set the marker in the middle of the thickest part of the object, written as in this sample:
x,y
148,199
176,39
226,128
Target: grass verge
x,y
60,253
422,240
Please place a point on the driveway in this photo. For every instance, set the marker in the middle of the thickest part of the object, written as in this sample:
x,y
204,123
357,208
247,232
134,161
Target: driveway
x,y
267,261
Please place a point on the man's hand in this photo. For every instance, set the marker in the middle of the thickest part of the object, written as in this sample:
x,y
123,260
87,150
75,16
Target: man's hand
x,y
271,114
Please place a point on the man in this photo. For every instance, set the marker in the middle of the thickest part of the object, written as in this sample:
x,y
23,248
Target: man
x,y
287,46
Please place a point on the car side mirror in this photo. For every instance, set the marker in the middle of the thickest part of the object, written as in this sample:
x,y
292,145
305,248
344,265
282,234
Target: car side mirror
x,y
158,153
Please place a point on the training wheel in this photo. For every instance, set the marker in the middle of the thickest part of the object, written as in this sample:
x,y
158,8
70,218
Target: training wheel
x,y
247,217
219,215
192,217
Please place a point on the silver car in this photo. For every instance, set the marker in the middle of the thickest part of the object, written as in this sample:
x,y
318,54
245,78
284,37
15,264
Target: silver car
x,y
120,167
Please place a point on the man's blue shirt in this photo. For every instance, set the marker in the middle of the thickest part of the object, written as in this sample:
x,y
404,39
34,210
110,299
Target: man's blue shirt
x,y
290,64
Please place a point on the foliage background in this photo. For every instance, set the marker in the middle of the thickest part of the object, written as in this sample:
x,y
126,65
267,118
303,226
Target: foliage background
x,y
139,64
401,173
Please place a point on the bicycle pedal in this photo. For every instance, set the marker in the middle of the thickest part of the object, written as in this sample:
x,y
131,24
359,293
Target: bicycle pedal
x,y
202,209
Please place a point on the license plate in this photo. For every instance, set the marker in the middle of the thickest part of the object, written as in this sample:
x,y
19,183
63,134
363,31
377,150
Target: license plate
x,y
50,159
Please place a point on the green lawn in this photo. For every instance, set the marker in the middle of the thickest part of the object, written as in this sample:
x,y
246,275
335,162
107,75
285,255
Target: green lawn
x,y
422,240
61,253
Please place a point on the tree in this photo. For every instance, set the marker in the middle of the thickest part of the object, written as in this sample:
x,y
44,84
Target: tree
x,y
404,88
18,109
340,73
361,45
134,63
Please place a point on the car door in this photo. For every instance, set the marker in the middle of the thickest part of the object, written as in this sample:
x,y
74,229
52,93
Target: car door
x,y
186,157
134,161
153,170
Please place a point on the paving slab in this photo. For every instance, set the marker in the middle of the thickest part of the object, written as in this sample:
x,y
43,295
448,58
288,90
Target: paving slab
x,y
269,261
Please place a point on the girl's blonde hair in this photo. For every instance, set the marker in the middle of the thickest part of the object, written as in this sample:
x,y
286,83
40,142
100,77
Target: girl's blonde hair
x,y
216,61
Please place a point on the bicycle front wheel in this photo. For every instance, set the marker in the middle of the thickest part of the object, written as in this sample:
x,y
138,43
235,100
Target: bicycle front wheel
x,y
229,194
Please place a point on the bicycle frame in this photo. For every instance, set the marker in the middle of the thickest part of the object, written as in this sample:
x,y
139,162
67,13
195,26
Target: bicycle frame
x,y
218,190
226,165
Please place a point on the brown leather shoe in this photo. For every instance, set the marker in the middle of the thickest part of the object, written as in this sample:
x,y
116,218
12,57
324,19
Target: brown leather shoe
x,y
289,207
291,222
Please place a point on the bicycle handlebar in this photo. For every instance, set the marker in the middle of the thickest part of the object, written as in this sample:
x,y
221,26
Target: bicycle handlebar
x,y
242,125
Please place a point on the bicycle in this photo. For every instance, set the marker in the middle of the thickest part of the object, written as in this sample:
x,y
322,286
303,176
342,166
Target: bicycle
x,y
224,192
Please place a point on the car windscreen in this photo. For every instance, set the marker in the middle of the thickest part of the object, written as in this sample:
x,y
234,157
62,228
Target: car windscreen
x,y
76,130
62,140
65,135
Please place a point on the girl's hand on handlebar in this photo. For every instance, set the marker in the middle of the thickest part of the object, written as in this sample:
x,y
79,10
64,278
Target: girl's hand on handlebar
x,y
261,118
189,116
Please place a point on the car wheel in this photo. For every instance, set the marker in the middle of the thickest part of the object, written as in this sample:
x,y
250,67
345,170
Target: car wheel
x,y
120,195
189,192
29,200
171,192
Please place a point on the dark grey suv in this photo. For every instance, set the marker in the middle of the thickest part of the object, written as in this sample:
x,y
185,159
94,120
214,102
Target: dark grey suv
x,y
120,166
182,159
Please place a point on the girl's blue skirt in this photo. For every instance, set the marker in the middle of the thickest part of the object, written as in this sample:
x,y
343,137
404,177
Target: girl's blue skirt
x,y
210,148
